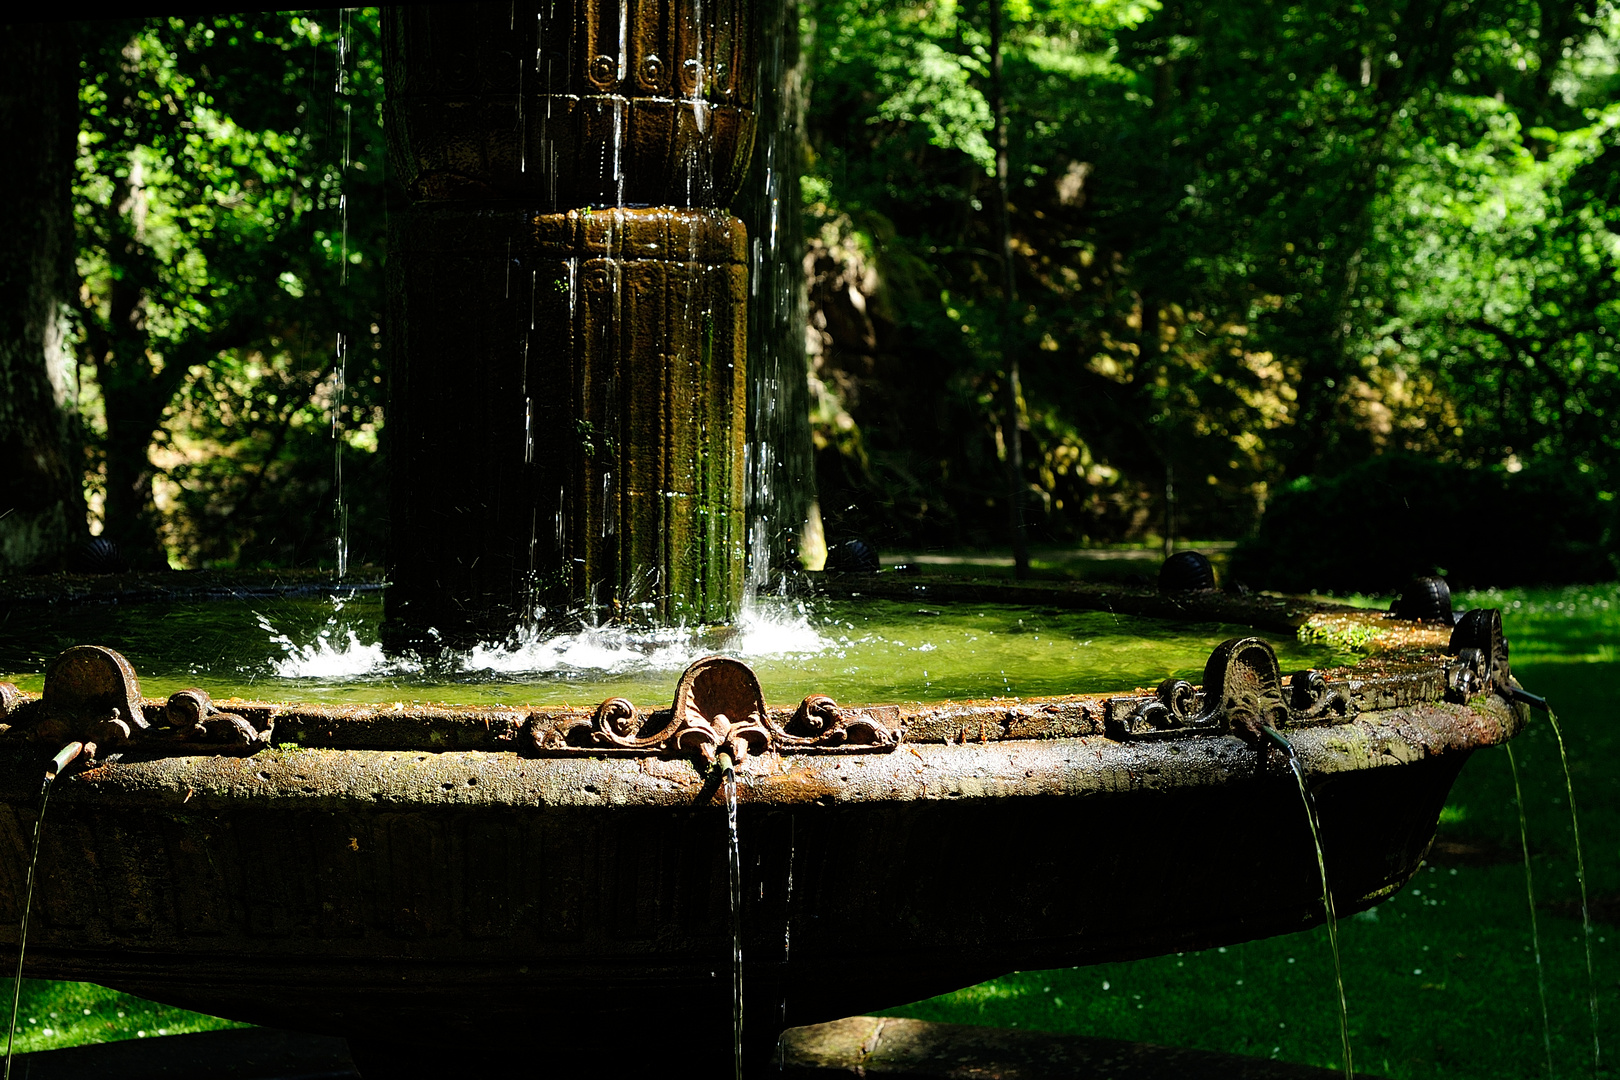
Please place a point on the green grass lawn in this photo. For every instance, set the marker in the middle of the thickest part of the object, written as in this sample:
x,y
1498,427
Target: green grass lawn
x,y
1441,979
54,1014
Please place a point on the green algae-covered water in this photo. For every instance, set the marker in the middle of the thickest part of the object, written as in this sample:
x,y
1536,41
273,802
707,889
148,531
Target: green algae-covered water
x,y
321,650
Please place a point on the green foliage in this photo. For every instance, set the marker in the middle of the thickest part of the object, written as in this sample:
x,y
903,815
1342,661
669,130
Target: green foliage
x,y
1252,243
1378,524
229,204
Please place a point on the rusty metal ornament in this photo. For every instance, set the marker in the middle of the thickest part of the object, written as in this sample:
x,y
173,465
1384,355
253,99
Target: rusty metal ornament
x,y
1315,700
820,723
1480,657
719,707
92,695
1243,693
1172,711
192,716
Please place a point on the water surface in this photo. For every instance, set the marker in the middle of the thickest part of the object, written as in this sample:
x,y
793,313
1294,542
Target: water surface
x,y
319,650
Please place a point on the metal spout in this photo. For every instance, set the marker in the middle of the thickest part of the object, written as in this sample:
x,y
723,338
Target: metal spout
x,y
1525,697
1278,739
64,757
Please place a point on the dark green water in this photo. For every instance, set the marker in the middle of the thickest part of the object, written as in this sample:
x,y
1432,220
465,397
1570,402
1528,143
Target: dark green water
x,y
321,651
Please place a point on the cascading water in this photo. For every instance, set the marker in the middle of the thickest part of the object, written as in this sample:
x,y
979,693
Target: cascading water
x,y
340,512
787,947
52,771
1530,897
1298,769
728,784
780,467
1580,876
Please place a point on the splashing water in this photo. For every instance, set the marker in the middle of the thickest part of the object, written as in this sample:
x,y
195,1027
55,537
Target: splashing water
x,y
327,651
1530,897
1580,876
336,652
764,630
1298,768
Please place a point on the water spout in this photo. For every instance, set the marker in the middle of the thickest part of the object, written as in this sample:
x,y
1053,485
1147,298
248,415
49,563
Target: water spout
x,y
64,757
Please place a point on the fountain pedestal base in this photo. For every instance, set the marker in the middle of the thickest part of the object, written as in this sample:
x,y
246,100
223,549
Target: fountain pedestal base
x,y
566,419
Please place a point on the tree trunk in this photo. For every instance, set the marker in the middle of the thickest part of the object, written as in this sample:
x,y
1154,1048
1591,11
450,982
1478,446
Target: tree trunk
x,y
1013,415
41,471
130,513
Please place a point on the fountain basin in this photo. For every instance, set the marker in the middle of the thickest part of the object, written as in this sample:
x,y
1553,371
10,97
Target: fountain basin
x,y
383,873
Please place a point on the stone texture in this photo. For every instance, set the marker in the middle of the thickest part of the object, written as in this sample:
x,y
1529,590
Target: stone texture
x,y
566,416
567,313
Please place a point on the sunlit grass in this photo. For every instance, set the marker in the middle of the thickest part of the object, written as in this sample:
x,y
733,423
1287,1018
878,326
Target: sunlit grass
x,y
58,1014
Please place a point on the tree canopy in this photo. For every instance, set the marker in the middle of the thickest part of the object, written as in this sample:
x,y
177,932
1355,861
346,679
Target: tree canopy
x,y
230,213
1254,242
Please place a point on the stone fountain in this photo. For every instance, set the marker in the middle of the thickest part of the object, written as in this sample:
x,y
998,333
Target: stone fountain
x,y
566,412
566,419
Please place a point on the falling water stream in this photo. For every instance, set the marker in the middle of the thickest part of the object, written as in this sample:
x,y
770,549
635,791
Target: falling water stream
x,y
1530,896
787,949
1580,876
54,768
734,864
340,93
1327,893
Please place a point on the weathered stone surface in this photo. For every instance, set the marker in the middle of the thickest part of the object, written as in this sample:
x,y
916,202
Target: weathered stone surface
x,y
395,891
569,389
444,878
566,416
557,105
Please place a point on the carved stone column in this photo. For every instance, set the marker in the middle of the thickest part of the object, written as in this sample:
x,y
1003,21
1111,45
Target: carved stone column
x,y
566,411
